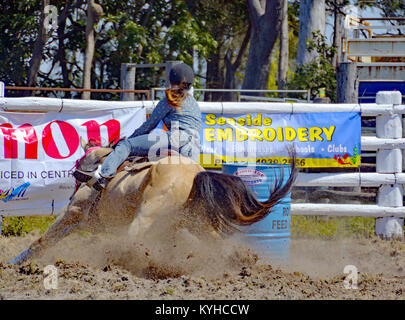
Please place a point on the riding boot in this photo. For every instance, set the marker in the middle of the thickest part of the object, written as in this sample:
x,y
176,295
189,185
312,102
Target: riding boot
x,y
86,176
100,184
92,179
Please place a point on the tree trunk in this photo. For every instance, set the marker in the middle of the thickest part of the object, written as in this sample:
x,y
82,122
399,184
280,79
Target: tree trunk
x,y
283,60
139,49
40,42
230,68
312,18
265,17
67,83
337,34
347,83
215,77
94,12
229,78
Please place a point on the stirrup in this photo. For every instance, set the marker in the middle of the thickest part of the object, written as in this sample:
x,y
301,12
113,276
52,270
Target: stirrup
x,y
90,178
86,176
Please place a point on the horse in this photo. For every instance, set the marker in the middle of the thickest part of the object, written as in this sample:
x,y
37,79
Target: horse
x,y
208,203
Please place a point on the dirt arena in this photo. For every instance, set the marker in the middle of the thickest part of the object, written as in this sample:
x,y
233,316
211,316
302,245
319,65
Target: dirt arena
x,y
107,267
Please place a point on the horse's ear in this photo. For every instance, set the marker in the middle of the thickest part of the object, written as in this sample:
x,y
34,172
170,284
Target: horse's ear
x,y
93,143
83,143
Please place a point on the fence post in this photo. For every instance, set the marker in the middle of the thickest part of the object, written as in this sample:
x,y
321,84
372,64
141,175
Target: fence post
x,y
127,81
1,96
389,161
1,89
347,82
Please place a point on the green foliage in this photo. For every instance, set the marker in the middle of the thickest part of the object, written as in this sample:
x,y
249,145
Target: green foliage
x,y
389,8
320,73
18,25
226,22
301,226
293,28
20,226
272,81
134,31
332,228
146,32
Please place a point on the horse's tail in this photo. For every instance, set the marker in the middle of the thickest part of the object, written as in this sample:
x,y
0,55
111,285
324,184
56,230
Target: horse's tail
x,y
227,202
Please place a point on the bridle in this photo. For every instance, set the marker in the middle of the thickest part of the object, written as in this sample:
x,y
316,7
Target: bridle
x,y
85,175
77,164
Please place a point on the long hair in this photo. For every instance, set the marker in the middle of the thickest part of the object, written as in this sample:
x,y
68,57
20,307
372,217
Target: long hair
x,y
177,93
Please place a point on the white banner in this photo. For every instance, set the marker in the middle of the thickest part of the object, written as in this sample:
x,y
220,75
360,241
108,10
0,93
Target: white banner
x,y
38,153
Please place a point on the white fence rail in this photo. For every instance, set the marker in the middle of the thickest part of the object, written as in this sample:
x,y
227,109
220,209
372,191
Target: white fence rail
x,y
388,143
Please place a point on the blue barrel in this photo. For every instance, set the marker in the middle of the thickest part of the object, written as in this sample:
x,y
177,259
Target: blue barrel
x,y
270,237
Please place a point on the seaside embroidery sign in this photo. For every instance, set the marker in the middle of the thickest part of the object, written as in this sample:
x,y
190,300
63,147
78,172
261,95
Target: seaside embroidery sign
x,y
330,139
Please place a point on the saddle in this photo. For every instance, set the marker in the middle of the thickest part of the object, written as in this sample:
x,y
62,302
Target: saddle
x,y
135,164
132,164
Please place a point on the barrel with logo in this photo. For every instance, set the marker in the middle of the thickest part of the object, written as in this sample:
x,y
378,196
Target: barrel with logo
x,y
270,237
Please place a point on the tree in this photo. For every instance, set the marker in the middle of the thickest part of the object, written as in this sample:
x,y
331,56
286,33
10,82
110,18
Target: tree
x,y
94,13
283,57
149,32
232,67
19,25
320,72
40,42
337,30
226,23
61,51
265,18
388,8
132,31
336,8
312,19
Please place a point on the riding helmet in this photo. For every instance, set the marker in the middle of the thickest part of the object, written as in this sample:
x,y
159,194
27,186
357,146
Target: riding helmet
x,y
181,72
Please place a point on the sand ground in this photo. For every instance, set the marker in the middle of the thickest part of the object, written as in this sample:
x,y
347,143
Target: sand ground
x,y
109,267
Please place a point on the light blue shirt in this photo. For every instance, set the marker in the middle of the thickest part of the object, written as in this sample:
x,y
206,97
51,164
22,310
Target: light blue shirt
x,y
184,123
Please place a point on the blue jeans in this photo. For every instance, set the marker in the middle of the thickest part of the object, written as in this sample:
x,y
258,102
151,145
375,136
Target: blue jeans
x,y
136,146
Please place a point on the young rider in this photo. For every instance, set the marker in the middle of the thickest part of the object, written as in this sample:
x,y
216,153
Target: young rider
x,y
181,115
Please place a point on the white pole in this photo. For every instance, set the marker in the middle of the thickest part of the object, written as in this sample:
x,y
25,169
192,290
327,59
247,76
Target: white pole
x,y
1,96
1,89
389,161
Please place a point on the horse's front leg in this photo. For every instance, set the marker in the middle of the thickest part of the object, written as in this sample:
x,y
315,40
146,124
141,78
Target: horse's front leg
x,y
74,215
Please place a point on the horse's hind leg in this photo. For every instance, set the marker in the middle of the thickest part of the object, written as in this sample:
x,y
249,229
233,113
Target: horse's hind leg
x,y
74,215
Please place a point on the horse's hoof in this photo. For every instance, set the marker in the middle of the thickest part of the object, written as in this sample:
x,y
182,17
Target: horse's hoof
x,y
20,258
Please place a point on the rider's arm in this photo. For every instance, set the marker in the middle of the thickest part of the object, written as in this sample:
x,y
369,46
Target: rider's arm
x,y
158,114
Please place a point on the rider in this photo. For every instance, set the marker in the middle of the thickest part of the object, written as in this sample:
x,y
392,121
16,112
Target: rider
x,y
181,115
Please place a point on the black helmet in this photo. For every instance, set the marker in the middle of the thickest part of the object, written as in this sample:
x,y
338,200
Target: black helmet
x,y
181,72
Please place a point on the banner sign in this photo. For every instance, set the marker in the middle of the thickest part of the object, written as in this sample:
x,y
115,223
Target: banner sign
x,y
38,152
330,139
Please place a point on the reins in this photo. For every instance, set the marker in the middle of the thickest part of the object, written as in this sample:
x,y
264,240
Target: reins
x,y
77,164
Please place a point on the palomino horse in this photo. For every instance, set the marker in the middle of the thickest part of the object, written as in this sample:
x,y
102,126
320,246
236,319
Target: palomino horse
x,y
135,197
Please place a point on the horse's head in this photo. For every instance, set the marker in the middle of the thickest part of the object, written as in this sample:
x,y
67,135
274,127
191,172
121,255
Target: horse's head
x,y
94,155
